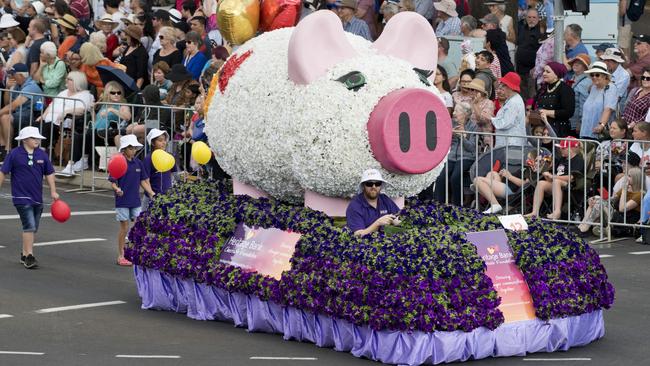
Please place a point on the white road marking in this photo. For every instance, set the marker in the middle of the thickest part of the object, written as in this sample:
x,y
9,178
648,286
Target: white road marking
x,y
2,246
640,253
147,356
605,256
4,316
284,358
86,240
21,353
557,359
76,213
80,306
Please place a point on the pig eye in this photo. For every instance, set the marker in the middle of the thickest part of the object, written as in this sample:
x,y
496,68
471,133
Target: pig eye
x,y
423,75
353,80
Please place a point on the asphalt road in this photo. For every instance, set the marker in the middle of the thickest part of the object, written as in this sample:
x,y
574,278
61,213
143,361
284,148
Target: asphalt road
x,y
84,272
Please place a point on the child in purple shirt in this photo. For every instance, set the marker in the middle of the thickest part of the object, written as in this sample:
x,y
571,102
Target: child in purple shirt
x,y
127,192
27,165
159,182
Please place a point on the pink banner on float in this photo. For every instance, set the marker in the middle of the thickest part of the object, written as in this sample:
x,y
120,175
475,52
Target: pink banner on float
x,y
243,189
492,247
266,251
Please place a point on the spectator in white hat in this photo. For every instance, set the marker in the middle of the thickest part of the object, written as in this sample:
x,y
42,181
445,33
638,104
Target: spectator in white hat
x,y
7,21
448,21
370,210
614,59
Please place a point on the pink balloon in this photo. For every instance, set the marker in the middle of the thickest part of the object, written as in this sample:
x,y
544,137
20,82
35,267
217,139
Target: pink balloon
x,y
117,166
60,211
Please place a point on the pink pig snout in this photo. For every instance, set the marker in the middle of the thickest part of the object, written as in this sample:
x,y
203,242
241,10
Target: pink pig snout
x,y
410,131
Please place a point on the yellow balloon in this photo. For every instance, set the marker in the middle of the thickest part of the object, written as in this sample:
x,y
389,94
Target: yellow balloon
x,y
201,152
162,160
238,20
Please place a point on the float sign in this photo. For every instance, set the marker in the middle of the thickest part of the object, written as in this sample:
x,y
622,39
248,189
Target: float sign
x,y
266,251
492,247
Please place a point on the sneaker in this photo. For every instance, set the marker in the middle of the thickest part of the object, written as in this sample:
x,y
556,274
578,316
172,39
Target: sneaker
x,y
80,165
639,239
30,262
68,170
22,259
493,209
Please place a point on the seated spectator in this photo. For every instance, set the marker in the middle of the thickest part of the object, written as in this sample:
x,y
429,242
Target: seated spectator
x,y
601,103
158,78
462,93
482,107
495,42
642,52
612,151
107,25
18,55
91,57
462,155
168,51
504,183
133,55
638,101
555,99
441,82
345,9
511,118
112,118
17,112
539,128
74,100
641,146
52,71
388,9
448,22
68,24
366,12
99,40
580,83
599,49
194,60
555,183
73,61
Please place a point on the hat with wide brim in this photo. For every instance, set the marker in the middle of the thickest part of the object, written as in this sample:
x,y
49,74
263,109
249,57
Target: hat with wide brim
x,y
8,21
598,67
134,31
129,140
107,19
613,54
512,81
29,132
39,7
447,6
583,58
67,21
155,133
178,73
495,2
371,175
477,84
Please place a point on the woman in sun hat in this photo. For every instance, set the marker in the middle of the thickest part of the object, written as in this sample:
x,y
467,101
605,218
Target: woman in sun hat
x,y
107,25
127,192
68,25
599,108
580,83
134,56
28,164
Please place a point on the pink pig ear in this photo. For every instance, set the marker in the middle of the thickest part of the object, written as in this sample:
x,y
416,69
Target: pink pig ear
x,y
409,36
318,42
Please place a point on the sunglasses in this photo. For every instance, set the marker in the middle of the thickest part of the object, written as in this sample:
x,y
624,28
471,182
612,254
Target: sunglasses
x,y
645,78
115,92
372,184
596,75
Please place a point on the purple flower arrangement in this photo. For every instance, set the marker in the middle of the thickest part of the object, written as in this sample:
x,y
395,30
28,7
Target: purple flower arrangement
x,y
426,277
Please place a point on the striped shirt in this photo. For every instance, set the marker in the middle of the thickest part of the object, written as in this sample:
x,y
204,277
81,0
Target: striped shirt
x,y
358,27
449,27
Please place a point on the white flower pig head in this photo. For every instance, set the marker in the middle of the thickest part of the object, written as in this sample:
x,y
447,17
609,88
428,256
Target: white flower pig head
x,y
312,107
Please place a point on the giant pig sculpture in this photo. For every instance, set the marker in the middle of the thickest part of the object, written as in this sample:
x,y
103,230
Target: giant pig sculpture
x,y
311,107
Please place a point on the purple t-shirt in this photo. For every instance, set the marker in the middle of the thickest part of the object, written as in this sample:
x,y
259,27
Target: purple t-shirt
x,y
129,183
160,182
360,214
26,178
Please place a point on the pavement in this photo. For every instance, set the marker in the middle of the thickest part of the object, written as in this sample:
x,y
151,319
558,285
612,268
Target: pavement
x,y
79,308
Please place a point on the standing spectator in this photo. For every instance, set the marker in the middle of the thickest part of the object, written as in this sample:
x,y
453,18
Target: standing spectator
x,y
37,29
613,58
107,25
469,27
543,56
484,61
443,60
112,7
160,182
600,105
198,24
425,8
160,19
127,192
98,39
448,22
581,84
441,82
194,59
91,57
624,28
52,71
17,110
495,42
511,118
573,39
28,165
527,45
482,107
18,55
68,24
366,12
556,100
498,8
638,103
345,9
642,52
134,56
539,6
81,10
160,70
168,52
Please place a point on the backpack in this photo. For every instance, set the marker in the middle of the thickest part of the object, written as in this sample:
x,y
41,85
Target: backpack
x,y
635,10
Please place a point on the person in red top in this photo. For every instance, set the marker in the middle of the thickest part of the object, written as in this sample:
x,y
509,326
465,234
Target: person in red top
x,y
107,26
642,52
81,10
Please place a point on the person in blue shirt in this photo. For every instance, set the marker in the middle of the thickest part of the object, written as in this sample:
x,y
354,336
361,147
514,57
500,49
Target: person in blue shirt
x,y
127,192
370,210
573,39
160,182
194,59
27,165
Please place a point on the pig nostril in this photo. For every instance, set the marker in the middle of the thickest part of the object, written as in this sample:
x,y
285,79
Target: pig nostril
x,y
431,123
404,132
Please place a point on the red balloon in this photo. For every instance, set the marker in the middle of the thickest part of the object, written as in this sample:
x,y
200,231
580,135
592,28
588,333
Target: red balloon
x,y
276,14
117,166
60,211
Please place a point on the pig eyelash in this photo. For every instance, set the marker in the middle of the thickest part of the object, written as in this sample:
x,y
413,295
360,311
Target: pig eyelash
x,y
423,75
354,80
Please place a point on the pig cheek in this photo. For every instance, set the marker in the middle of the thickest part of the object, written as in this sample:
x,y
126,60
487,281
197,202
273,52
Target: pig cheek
x,y
410,131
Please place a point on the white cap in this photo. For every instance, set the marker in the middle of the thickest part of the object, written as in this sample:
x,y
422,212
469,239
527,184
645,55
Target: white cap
x,y
613,54
129,140
8,21
39,7
175,15
28,132
155,133
371,175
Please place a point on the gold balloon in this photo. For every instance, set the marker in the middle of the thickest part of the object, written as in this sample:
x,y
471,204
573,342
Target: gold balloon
x,y
201,152
238,20
162,160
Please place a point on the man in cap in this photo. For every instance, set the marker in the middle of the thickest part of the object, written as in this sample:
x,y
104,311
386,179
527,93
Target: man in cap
x,y
642,52
448,21
27,165
600,48
613,58
345,10
511,118
370,210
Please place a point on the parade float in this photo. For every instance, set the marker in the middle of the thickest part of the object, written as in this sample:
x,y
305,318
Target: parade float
x,y
295,116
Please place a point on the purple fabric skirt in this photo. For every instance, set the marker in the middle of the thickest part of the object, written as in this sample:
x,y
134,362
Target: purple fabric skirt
x,y
161,291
